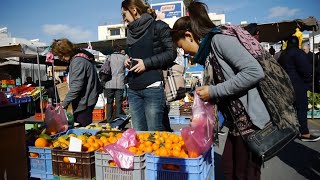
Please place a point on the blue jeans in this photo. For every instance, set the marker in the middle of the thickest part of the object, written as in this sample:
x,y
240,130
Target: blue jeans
x,y
146,107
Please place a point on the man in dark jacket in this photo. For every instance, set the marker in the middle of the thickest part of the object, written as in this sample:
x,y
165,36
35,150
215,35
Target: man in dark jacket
x,y
294,61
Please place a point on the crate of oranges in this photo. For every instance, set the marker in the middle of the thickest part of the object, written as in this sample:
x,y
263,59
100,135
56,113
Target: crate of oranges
x,y
68,164
167,157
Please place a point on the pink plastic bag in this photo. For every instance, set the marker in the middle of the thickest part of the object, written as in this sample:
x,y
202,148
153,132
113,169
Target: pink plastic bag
x,y
199,137
56,119
123,157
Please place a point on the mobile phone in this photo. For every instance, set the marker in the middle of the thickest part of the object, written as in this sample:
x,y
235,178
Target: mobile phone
x,y
133,63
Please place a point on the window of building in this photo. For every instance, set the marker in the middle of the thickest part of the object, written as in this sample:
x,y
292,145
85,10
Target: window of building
x,y
114,32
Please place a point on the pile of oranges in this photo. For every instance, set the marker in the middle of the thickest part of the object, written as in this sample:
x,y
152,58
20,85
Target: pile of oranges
x,y
162,144
89,143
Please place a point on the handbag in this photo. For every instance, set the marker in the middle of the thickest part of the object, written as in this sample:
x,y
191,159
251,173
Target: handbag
x,y
267,142
174,84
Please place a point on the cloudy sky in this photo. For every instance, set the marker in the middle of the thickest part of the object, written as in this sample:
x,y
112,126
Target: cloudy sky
x,y
78,20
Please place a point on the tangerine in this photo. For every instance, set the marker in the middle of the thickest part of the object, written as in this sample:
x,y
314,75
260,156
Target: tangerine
x,y
66,160
41,142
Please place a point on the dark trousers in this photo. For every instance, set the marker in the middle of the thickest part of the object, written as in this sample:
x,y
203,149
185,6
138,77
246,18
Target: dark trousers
x,y
236,163
84,117
302,109
117,95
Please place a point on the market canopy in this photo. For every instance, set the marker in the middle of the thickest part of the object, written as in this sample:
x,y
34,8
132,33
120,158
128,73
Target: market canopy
x,y
275,32
20,50
105,46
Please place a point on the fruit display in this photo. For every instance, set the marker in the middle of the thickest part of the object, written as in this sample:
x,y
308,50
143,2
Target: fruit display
x,y
100,127
90,142
162,144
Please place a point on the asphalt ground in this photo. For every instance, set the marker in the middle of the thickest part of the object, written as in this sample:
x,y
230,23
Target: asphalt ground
x,y
297,161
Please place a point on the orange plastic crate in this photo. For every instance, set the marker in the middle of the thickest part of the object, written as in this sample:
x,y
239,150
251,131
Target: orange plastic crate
x,y
38,116
98,116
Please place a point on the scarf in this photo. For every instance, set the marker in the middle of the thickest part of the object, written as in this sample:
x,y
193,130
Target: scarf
x,y
205,47
137,29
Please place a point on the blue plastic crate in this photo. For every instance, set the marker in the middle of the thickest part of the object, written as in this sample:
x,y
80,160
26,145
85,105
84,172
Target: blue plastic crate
x,y
186,168
185,119
174,119
41,165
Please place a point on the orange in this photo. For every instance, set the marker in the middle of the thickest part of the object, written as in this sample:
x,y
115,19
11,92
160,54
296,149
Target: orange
x,y
91,149
164,134
103,138
66,160
34,155
176,147
139,152
169,141
112,163
100,142
148,143
41,142
94,137
141,147
175,139
111,134
86,146
168,146
163,152
112,140
90,140
148,149
133,149
157,152
155,146
96,145
157,141
105,141
176,153
119,135
193,154
161,139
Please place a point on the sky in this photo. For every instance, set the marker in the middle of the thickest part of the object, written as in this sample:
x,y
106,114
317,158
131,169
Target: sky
x,y
78,20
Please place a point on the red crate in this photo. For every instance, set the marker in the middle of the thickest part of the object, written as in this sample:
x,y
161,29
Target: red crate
x,y
98,111
38,116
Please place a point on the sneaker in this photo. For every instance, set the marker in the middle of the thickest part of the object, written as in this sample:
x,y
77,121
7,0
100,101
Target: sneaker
x,y
222,133
312,138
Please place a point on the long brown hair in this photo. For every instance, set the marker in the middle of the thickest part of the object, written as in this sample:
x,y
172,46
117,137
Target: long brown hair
x,y
140,5
63,47
198,22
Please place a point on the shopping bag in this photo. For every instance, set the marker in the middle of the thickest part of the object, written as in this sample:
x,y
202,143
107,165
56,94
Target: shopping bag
x,y
199,137
55,119
174,84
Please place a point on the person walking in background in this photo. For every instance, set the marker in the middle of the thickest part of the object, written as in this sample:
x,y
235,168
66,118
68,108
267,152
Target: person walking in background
x,y
272,51
294,61
199,37
115,87
150,54
84,84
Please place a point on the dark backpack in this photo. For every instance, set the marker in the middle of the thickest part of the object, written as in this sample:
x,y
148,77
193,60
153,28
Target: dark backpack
x,y
275,89
105,73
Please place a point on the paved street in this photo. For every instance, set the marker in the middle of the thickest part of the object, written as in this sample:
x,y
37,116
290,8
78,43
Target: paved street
x,y
297,161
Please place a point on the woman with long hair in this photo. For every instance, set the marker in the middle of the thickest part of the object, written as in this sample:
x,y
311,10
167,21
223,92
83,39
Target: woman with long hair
x,y
224,57
150,50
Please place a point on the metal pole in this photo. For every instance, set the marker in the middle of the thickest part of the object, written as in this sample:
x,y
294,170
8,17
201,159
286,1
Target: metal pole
x,y
38,61
313,74
54,83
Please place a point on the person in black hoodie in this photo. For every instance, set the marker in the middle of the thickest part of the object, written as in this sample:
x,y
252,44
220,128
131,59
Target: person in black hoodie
x,y
295,62
149,55
84,84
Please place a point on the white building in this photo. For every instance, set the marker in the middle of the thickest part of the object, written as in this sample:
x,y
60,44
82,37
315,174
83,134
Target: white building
x,y
168,12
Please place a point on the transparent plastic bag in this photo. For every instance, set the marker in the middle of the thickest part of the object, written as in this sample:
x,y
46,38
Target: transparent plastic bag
x,y
56,119
199,137
118,151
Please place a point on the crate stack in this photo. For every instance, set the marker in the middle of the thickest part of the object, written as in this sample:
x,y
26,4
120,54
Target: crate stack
x,y
174,112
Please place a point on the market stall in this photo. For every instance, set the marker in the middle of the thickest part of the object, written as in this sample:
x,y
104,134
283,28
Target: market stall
x,y
279,31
